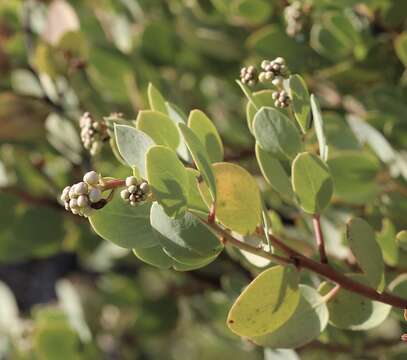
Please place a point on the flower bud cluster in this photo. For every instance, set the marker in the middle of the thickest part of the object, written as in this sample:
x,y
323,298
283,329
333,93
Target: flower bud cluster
x,y
293,15
248,75
136,191
81,198
275,71
281,99
93,133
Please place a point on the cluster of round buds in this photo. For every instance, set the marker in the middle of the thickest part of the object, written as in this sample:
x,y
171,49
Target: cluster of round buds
x,y
93,133
136,191
275,71
248,75
82,198
293,15
281,99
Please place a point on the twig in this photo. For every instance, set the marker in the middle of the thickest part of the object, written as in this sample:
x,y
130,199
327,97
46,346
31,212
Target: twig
x,y
323,270
319,237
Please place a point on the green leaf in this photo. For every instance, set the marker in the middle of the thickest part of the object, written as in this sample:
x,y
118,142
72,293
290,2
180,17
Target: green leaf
x,y
248,93
207,134
276,133
154,256
24,82
362,241
266,303
312,182
274,173
319,128
178,116
366,133
200,157
159,127
388,243
354,176
252,11
401,240
300,101
133,145
337,37
55,341
348,310
195,200
399,287
156,100
168,179
124,225
262,98
186,239
400,46
238,205
306,324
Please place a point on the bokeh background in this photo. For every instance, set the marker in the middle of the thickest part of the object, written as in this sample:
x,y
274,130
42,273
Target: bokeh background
x,y
67,294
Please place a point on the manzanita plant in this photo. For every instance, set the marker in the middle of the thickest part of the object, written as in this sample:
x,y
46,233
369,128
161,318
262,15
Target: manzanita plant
x,y
182,205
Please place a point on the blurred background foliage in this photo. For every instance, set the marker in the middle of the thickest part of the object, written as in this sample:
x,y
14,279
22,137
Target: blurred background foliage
x,y
66,294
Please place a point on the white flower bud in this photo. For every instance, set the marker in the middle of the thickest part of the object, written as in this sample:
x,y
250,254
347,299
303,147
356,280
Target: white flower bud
x,y
279,60
91,178
80,188
131,180
65,194
132,189
73,204
277,81
125,194
71,192
95,195
83,201
145,187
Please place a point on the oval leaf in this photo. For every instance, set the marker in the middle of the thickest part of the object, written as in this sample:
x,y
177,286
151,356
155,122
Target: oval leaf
x,y
200,157
156,100
266,303
124,225
362,241
312,182
401,239
276,133
168,179
159,127
186,239
178,116
348,310
195,200
308,321
300,101
238,205
262,98
133,145
207,134
274,173
319,128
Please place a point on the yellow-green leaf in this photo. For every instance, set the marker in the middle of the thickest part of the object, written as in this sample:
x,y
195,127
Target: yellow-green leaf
x,y
312,182
159,127
267,303
168,179
238,205
362,241
207,134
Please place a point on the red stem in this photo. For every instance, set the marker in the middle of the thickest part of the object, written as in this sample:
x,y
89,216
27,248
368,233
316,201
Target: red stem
x,y
319,237
323,270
